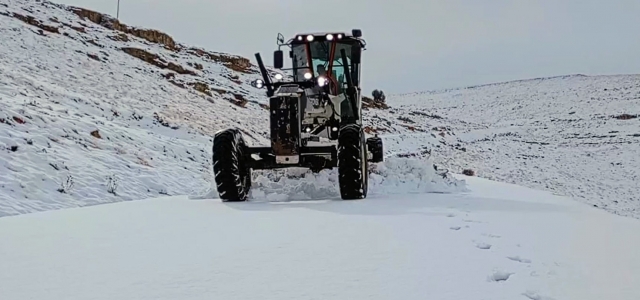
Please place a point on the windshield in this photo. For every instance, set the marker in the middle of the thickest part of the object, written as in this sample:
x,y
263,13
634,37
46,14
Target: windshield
x,y
321,60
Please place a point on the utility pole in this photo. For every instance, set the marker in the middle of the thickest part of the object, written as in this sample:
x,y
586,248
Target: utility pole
x,y
118,11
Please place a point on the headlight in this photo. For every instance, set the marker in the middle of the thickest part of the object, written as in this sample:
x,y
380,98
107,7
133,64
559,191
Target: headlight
x,y
279,76
322,81
259,83
308,75
340,36
310,38
329,37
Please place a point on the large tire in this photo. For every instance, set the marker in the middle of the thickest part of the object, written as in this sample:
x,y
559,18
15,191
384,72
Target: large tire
x,y
375,147
232,175
353,169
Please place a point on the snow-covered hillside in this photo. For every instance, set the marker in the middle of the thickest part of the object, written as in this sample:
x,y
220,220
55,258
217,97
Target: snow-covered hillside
x,y
575,135
497,242
93,111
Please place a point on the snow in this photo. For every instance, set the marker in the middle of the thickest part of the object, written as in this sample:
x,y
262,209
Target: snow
x,y
155,137
558,134
379,248
106,189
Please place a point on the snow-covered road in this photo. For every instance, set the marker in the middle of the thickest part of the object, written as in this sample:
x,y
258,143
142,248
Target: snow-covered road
x,y
497,241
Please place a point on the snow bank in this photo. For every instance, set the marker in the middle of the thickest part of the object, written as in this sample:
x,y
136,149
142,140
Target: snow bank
x,y
564,134
394,176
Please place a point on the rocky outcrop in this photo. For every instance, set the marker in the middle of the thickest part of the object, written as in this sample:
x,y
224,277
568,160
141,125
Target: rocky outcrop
x,y
150,35
95,17
33,21
236,63
201,87
109,22
155,60
368,103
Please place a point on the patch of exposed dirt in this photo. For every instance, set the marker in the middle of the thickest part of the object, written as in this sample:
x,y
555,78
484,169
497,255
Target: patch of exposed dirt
x,y
35,22
368,103
155,60
236,63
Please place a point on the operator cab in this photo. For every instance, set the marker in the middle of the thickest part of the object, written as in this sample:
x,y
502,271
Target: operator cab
x,y
324,78
317,57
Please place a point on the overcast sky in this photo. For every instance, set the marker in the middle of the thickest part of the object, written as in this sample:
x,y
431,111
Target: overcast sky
x,y
415,45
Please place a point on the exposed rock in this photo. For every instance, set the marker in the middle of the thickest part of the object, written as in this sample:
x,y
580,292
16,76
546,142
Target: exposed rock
x,y
155,60
625,117
419,113
201,87
369,129
76,28
178,84
370,103
468,172
150,35
95,17
96,134
238,100
179,69
19,120
93,42
219,91
93,56
109,22
406,119
236,63
33,21
120,37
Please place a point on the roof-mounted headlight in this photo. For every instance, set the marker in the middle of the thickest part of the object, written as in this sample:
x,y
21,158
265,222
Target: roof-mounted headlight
x,y
308,75
322,81
329,37
310,38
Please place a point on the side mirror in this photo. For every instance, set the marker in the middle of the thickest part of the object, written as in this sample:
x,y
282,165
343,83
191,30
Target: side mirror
x,y
356,33
278,59
280,39
356,52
